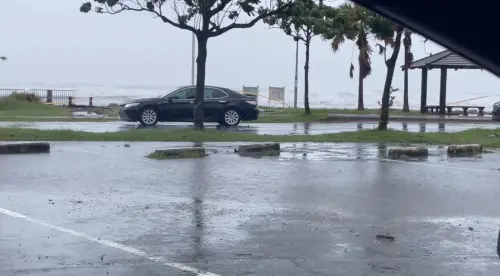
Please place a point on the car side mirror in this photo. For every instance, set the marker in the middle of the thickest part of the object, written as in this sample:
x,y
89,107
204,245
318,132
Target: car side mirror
x,y
170,100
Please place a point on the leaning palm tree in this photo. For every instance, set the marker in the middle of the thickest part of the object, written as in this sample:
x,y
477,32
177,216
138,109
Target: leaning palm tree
x,y
355,26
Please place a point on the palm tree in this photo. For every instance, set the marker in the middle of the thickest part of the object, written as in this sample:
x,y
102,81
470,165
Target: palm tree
x,y
408,60
355,26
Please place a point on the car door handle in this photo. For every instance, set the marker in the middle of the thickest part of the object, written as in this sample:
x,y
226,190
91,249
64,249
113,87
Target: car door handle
x,y
222,101
191,102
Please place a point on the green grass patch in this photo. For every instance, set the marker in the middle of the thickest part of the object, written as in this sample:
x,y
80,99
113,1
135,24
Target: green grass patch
x,y
485,137
26,105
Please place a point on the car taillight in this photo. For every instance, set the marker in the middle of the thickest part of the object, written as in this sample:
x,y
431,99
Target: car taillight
x,y
251,102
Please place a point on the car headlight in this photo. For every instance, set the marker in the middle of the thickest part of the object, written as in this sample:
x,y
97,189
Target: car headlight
x,y
131,105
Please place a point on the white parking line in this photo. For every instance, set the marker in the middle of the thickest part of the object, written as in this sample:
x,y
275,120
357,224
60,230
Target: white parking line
x,y
109,243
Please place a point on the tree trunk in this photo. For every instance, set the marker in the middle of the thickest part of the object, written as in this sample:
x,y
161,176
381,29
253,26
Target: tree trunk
x,y
201,62
361,105
406,106
307,109
391,64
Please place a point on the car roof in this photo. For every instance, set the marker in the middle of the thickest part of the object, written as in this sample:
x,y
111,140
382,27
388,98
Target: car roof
x,y
209,86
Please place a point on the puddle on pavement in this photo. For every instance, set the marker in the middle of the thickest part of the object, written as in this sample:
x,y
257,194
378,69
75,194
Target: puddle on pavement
x,y
345,152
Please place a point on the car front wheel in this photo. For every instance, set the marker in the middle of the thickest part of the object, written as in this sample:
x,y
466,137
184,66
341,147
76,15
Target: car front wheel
x,y
148,117
231,117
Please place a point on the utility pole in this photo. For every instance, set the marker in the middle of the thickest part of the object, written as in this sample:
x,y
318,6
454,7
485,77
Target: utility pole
x,y
193,59
296,88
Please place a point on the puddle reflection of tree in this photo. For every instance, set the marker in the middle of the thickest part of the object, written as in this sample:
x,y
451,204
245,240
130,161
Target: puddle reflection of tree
x,y
422,127
498,244
383,186
306,126
199,189
441,127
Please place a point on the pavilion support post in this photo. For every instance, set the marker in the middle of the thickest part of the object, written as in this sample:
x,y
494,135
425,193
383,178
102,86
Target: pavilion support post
x,y
442,92
423,93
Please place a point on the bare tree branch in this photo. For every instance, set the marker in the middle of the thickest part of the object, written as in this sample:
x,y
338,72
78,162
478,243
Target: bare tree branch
x,y
250,24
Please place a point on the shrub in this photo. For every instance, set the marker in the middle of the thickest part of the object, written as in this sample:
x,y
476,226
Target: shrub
x,y
21,96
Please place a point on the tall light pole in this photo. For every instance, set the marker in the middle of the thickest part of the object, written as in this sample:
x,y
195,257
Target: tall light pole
x,y
193,59
296,88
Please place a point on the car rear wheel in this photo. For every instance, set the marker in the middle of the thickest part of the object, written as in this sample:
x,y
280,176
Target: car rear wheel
x,y
148,117
231,117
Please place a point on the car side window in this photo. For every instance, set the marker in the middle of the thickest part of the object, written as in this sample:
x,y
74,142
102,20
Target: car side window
x,y
214,93
190,93
180,95
184,94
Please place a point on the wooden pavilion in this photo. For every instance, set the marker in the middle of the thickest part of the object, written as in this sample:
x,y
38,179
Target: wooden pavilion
x,y
443,61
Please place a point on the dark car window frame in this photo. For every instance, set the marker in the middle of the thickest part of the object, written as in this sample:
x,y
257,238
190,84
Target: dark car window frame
x,y
215,88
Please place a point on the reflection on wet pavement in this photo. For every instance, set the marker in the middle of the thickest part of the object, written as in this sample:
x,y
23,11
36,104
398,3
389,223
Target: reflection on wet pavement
x,y
314,210
257,128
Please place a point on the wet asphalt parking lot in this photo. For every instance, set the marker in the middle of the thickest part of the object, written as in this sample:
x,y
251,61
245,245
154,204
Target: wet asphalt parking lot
x,y
256,128
91,208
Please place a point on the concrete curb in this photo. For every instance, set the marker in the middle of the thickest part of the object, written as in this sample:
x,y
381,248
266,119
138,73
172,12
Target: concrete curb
x,y
408,152
25,148
178,153
464,150
258,150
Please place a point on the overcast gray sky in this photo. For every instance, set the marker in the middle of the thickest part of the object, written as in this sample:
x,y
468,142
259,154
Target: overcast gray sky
x,y
50,42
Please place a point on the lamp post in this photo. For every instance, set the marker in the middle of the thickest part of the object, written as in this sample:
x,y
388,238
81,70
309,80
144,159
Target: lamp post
x,y
193,59
295,90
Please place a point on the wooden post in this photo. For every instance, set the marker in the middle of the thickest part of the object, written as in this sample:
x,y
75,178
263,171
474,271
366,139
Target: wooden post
x,y
49,96
442,92
423,93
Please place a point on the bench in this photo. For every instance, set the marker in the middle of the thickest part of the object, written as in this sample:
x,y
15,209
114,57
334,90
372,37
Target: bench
x,y
465,108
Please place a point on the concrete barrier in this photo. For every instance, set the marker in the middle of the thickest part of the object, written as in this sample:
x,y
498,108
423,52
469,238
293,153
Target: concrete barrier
x,y
256,150
24,148
464,150
177,153
408,152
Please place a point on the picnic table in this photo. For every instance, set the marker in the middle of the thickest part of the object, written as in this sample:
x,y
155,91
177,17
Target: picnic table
x,y
465,109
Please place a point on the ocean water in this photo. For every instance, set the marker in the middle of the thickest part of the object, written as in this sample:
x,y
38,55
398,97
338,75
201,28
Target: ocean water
x,y
103,95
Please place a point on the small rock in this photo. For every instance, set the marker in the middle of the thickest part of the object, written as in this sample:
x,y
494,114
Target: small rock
x,y
464,150
409,152
25,148
471,229
176,153
385,237
259,150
